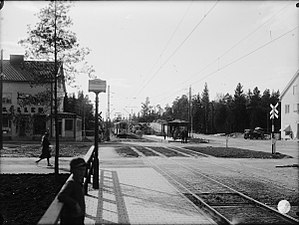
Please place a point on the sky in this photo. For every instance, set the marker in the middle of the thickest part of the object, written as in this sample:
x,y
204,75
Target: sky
x,y
163,49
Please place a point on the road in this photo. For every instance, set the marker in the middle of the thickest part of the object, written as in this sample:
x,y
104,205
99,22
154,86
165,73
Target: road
x,y
289,147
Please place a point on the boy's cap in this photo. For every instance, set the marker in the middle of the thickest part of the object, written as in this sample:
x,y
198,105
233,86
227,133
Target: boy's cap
x,y
77,162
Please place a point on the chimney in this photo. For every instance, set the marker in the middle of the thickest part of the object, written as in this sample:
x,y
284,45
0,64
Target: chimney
x,y
17,60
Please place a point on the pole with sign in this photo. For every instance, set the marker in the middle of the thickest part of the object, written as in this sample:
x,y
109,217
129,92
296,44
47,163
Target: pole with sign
x,y
273,114
96,86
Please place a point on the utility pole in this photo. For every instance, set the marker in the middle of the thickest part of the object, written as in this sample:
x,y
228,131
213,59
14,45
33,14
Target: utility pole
x,y
108,116
1,90
190,112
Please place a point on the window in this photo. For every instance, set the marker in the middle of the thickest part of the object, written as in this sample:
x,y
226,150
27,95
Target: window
x,y
294,89
4,110
6,123
6,98
296,107
33,110
287,109
68,125
40,110
25,110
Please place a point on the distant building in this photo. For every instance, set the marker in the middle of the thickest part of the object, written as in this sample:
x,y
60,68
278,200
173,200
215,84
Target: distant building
x,y
289,99
26,101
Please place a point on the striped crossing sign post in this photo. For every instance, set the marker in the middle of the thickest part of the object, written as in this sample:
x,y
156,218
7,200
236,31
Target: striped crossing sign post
x,y
273,114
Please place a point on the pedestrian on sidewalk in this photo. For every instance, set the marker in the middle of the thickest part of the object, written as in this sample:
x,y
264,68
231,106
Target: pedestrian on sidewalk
x,y
46,150
72,195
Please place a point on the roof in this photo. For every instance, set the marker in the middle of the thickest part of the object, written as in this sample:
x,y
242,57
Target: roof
x,y
28,71
289,84
177,121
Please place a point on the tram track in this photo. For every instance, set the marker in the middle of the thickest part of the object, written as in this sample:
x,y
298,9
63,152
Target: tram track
x,y
223,203
255,175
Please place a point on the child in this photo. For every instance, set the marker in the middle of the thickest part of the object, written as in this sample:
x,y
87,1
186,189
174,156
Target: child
x,y
72,194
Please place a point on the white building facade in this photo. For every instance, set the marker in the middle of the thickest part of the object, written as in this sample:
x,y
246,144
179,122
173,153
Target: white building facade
x,y
289,99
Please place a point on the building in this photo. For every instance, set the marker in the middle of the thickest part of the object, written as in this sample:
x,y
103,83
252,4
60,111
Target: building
x,y
27,99
289,99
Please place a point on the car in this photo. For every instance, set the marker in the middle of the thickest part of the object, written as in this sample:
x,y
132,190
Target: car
x,y
258,132
248,133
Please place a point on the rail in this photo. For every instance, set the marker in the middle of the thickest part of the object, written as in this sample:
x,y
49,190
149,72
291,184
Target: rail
x,y
52,215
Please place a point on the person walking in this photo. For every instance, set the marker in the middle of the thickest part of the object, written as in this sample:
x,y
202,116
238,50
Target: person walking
x,y
45,149
72,195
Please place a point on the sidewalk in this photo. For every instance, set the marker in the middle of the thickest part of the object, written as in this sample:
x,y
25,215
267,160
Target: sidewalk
x,y
139,196
131,192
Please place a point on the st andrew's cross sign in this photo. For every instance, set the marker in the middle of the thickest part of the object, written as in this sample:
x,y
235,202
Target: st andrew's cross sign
x,y
274,111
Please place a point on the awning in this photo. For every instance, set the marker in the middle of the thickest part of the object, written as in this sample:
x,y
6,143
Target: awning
x,y
287,128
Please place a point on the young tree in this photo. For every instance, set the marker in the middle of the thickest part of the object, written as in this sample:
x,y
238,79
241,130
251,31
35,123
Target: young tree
x,y
42,40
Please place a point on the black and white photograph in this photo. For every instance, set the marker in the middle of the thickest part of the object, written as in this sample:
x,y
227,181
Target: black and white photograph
x,y
148,112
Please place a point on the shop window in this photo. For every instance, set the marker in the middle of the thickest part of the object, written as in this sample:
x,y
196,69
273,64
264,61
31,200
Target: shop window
x,y
39,124
40,110
68,125
6,98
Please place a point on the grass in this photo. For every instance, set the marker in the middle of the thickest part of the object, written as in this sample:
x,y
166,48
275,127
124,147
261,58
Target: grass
x,y
24,198
34,149
229,152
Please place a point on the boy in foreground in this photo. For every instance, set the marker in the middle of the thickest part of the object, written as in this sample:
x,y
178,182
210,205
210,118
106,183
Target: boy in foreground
x,y
72,195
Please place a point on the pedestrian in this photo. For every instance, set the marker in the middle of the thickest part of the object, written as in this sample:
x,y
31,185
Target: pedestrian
x,y
72,195
46,151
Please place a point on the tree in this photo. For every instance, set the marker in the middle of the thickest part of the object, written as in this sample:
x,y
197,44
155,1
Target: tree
x,y
81,106
239,109
255,109
41,40
180,108
206,102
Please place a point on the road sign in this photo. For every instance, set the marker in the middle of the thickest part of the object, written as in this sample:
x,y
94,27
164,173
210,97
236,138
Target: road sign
x,y
274,111
97,85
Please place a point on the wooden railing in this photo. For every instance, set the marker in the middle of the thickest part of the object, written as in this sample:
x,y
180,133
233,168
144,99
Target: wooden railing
x,y
52,214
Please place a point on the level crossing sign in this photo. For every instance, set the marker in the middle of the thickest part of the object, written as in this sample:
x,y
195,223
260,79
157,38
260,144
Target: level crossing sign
x,y
274,111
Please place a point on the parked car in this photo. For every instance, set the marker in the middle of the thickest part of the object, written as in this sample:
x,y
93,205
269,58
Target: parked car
x,y
257,133
248,133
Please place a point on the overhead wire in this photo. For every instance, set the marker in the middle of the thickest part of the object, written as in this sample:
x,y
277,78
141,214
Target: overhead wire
x,y
178,47
234,46
241,57
169,40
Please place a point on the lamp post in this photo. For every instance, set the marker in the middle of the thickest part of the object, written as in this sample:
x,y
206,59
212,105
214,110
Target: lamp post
x,y
96,86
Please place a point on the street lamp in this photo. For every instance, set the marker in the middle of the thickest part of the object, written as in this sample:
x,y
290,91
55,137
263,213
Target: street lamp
x,y
96,86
